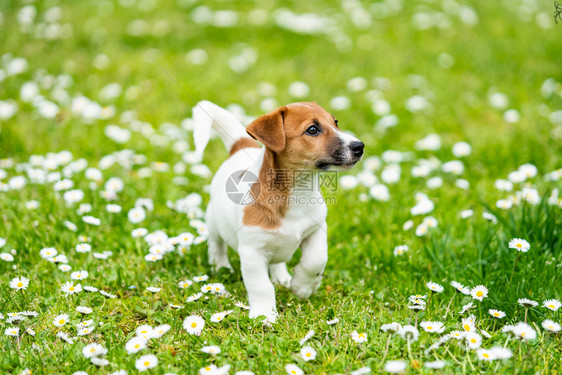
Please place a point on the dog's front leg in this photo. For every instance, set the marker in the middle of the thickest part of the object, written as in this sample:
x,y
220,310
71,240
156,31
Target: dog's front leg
x,y
261,294
308,273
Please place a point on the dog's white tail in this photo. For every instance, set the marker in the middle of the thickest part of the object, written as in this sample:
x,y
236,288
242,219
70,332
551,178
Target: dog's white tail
x,y
207,115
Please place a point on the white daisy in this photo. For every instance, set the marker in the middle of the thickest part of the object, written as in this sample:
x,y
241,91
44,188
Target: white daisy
x,y
308,353
160,331
391,327
194,297
201,278
217,317
400,250
94,350
485,355
185,283
146,362
293,369
395,367
435,365
12,331
48,252
496,313
85,330
211,349
135,345
19,283
519,245
524,331
473,340
84,310
551,326
409,332
434,287
139,232
468,325
479,292
79,275
527,303
499,352
552,304
194,325
83,248
358,337
460,288
69,288
433,327
60,320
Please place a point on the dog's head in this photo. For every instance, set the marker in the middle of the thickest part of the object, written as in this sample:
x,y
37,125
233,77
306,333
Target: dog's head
x,y
305,136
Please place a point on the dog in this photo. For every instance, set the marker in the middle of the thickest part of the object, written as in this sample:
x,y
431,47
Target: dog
x,y
267,228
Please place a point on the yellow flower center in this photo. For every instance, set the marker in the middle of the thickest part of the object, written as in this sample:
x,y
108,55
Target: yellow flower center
x,y
551,306
361,335
193,325
551,327
466,327
519,245
71,288
308,354
61,321
92,350
137,346
523,334
146,363
479,293
20,284
429,327
293,372
485,355
79,276
496,314
473,341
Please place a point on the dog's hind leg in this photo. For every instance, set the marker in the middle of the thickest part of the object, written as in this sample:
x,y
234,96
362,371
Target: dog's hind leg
x,y
217,251
279,274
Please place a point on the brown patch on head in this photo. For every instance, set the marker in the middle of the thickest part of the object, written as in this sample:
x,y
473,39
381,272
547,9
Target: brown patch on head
x,y
284,131
297,136
243,142
269,130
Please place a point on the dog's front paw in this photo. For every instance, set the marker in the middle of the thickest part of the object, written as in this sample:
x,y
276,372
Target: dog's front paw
x,y
281,278
304,290
270,314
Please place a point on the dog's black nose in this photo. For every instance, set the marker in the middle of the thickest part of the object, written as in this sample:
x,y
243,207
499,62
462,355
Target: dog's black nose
x,y
357,148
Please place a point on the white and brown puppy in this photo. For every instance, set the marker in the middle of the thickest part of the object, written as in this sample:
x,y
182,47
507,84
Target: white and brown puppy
x,y
278,219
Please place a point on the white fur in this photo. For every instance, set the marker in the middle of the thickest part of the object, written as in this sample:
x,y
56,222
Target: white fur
x,y
263,253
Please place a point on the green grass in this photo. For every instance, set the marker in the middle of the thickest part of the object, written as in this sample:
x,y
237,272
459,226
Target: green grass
x,y
365,285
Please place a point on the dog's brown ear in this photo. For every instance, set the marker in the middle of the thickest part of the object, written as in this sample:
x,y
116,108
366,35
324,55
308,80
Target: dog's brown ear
x,y
269,129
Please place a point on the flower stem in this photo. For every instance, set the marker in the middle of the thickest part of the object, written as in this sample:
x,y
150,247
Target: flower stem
x,y
469,361
386,349
514,264
410,352
452,356
449,305
526,310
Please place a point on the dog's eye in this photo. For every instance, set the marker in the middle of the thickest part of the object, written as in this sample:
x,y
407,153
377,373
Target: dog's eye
x,y
313,130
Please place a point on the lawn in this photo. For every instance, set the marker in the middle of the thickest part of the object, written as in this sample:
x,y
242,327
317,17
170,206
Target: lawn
x,y
103,245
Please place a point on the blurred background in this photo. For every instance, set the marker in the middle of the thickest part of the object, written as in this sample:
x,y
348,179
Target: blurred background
x,y
487,71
